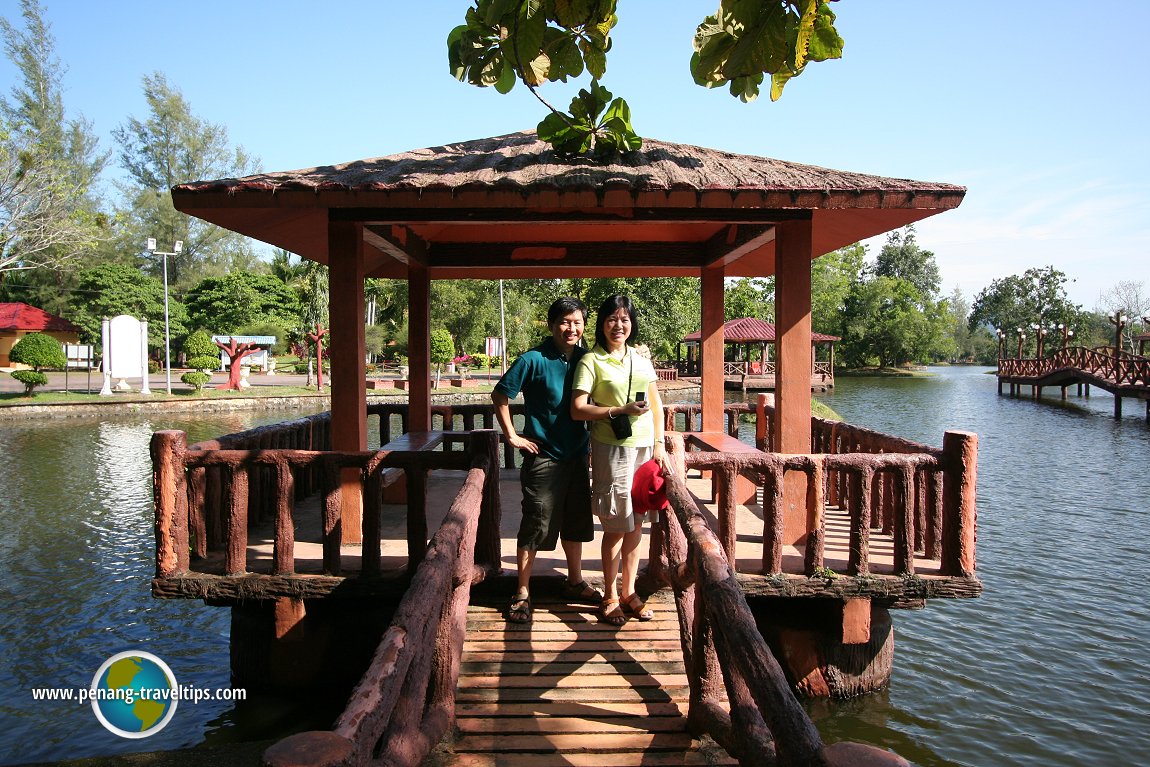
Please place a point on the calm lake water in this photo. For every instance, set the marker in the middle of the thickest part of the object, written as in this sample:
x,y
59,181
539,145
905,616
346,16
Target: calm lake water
x,y
1050,666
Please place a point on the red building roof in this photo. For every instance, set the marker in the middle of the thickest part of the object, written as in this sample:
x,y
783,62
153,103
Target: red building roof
x,y
749,330
25,317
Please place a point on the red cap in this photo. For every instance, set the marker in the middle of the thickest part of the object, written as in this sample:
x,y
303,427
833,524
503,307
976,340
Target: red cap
x,y
648,491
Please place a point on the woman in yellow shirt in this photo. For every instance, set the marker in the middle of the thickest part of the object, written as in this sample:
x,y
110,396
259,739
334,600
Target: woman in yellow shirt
x,y
615,388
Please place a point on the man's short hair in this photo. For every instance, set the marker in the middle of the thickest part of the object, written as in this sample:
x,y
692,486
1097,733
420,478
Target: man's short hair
x,y
561,307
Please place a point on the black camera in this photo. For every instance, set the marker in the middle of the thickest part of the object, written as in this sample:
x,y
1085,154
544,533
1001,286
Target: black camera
x,y
621,425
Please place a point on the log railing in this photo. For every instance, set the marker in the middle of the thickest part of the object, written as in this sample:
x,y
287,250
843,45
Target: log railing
x,y
1122,369
923,497
725,655
405,703
208,495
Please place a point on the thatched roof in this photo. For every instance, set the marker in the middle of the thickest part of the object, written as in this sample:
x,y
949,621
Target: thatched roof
x,y
750,330
483,207
520,161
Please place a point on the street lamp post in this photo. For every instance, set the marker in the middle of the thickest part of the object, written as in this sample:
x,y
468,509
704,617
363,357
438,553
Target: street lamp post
x,y
1040,335
1067,333
176,250
1021,338
1001,341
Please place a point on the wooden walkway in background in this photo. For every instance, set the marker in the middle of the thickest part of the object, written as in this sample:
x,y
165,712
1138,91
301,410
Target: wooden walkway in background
x,y
568,690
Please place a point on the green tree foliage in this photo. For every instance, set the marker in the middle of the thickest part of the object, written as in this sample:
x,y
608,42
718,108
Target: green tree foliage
x,y
39,352
745,40
1014,303
226,304
201,351
538,41
173,146
109,290
886,318
902,257
749,297
442,349
832,277
669,307
31,379
885,325
48,162
196,379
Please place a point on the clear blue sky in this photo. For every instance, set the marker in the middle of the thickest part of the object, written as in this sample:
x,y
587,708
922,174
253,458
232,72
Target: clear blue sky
x,y
1040,108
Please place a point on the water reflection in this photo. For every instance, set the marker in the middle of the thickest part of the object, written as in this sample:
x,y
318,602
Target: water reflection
x,y
1048,667
77,557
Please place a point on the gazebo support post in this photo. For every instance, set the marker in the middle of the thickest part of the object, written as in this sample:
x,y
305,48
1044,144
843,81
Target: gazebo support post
x,y
793,371
349,400
711,348
419,348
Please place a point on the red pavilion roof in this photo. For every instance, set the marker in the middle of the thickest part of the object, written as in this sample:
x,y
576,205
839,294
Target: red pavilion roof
x,y
24,317
746,330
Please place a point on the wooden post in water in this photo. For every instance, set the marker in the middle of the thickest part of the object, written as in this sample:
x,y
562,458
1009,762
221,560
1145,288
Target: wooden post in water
x,y
959,513
171,502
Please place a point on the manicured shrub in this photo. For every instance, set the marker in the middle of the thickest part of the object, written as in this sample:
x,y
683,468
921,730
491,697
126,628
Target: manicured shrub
x,y
38,351
195,379
31,379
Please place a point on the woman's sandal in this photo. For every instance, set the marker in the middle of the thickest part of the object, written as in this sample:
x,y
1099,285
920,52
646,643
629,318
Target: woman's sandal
x,y
611,613
638,608
519,610
581,591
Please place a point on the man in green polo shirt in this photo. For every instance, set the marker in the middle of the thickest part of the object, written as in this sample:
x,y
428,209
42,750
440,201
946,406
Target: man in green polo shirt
x,y
556,485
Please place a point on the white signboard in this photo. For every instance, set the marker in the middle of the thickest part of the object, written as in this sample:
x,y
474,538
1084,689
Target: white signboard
x,y
78,356
126,339
494,346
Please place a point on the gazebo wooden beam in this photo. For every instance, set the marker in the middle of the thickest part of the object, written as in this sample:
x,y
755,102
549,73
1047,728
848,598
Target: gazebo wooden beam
x,y
736,241
408,250
582,254
605,216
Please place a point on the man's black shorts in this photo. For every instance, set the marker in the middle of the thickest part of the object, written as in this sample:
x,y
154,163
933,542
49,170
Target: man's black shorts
x,y
556,502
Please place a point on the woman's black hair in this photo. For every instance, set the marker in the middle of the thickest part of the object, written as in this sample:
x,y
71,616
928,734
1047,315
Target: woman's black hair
x,y
610,306
561,307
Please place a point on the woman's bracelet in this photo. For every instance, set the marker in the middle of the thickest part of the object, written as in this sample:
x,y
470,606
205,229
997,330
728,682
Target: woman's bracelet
x,y
609,416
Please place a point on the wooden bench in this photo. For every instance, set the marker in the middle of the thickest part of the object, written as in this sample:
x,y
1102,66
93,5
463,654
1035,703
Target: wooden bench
x,y
745,489
395,491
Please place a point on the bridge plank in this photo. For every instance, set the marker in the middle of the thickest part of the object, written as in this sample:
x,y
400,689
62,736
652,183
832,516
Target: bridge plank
x,y
569,690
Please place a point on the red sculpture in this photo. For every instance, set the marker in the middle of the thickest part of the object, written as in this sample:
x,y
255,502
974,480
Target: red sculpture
x,y
236,352
317,339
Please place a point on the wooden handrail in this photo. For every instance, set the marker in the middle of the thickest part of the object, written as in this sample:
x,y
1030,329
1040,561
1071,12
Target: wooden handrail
x,y
724,651
405,702
1122,369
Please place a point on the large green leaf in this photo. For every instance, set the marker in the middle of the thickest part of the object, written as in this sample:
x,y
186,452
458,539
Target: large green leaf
x,y
825,42
808,10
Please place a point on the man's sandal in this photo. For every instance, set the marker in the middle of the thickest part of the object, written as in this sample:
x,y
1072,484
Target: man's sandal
x,y
519,610
638,608
611,613
581,591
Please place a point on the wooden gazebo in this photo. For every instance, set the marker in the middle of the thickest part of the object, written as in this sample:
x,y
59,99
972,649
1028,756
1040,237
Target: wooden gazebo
x,y
508,207
755,338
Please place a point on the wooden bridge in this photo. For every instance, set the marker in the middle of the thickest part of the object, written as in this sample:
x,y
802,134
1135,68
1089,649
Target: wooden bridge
x,y
254,521
1125,375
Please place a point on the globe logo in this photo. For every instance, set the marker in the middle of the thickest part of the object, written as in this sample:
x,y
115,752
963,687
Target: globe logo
x,y
134,694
